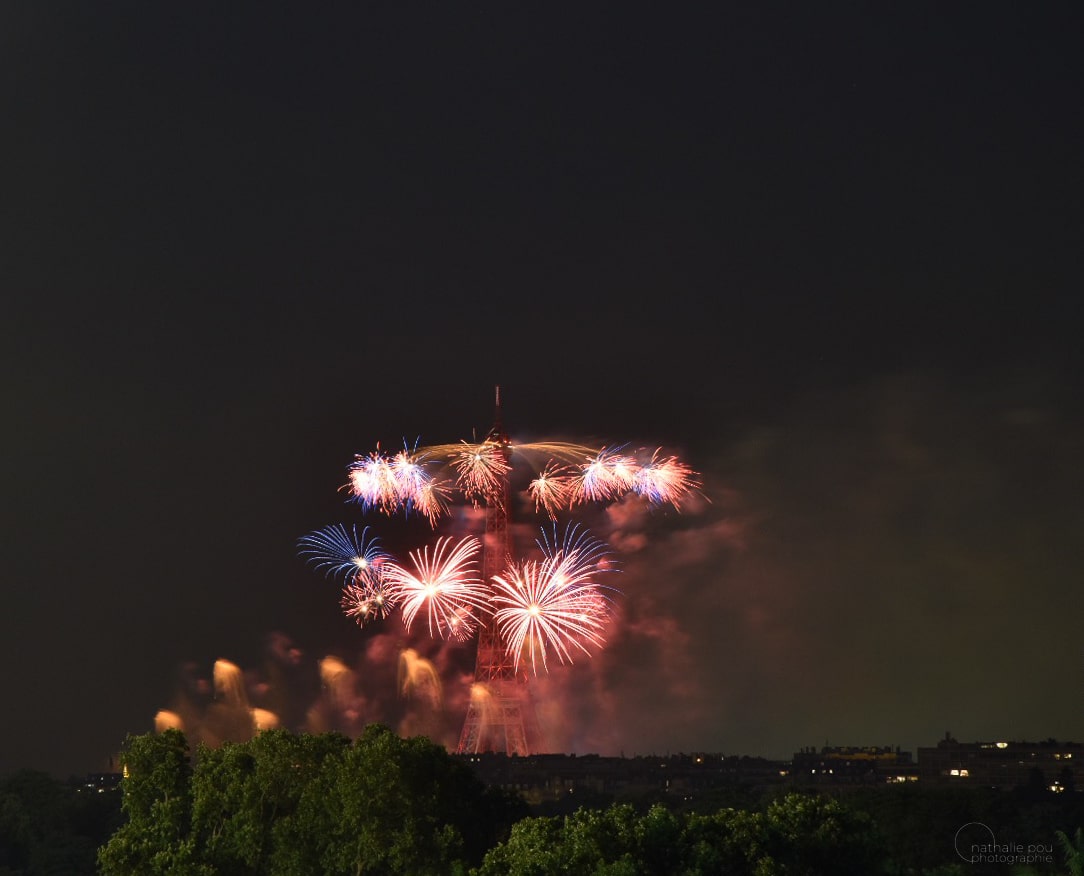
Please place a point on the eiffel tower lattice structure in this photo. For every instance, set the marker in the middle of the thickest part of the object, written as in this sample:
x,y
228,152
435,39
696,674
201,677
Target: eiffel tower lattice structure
x,y
500,716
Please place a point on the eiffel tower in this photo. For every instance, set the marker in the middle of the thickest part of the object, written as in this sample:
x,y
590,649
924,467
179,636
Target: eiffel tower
x,y
500,717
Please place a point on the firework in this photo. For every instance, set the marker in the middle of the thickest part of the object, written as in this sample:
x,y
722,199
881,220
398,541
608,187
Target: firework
x,y
445,583
425,480
366,598
606,477
372,482
550,490
577,556
665,480
536,609
341,553
552,606
540,610
482,470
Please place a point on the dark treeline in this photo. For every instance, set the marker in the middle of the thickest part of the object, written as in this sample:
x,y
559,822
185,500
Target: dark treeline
x,y
297,804
52,828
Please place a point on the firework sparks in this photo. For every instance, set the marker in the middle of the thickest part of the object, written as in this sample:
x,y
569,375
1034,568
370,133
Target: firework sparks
x,y
541,612
550,490
342,553
576,556
567,475
366,598
445,583
665,480
390,483
372,482
482,470
554,605
569,608
606,477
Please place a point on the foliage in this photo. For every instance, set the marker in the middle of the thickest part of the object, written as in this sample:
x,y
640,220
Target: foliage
x,y
158,803
245,795
799,835
1073,847
293,805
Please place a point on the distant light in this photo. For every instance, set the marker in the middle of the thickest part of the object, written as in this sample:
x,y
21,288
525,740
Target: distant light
x,y
1003,745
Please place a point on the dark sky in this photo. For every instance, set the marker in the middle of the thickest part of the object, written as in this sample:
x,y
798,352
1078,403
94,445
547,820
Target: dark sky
x,y
829,254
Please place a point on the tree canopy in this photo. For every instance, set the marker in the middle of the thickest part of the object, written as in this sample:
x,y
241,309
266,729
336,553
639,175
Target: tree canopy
x,y
288,804
798,835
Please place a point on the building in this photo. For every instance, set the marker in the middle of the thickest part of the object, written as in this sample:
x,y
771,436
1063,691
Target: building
x,y
1053,765
853,765
548,778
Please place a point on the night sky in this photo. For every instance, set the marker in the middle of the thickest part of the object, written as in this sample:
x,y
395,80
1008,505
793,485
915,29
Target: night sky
x,y
830,255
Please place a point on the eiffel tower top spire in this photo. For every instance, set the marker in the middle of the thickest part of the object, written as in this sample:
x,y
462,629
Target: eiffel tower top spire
x,y
496,434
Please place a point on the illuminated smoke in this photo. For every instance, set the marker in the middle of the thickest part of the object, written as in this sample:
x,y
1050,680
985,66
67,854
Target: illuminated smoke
x,y
418,678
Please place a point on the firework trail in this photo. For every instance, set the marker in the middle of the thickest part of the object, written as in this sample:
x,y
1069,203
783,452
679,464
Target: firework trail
x,y
418,677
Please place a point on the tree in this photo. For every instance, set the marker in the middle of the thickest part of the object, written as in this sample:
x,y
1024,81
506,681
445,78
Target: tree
x,y
610,842
811,834
586,841
730,841
296,805
389,805
797,835
244,795
157,800
1073,849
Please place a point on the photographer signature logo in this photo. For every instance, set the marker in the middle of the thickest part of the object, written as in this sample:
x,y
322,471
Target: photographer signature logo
x,y
975,843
